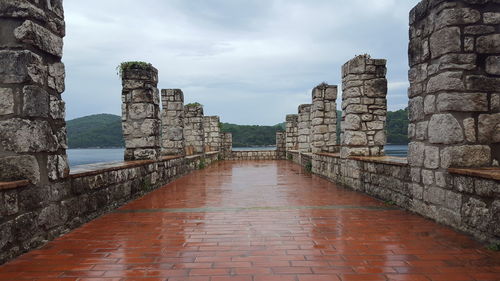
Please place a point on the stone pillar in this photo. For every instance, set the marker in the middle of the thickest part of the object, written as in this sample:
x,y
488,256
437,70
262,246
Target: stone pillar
x,y
324,119
292,132
454,107
304,128
211,127
172,122
227,144
364,107
140,111
193,129
32,127
280,145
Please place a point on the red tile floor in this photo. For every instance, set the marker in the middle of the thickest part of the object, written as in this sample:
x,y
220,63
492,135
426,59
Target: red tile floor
x,y
257,221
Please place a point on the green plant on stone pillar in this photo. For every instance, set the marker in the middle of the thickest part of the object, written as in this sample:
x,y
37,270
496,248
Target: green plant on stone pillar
x,y
202,164
494,247
131,64
146,184
308,167
289,156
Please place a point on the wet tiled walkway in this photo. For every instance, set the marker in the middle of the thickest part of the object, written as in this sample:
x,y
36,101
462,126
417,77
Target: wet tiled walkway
x,y
257,221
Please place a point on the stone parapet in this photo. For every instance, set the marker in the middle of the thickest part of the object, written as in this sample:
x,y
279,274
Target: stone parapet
x,y
32,112
212,131
364,107
140,111
280,145
304,128
226,145
324,119
194,134
172,122
292,132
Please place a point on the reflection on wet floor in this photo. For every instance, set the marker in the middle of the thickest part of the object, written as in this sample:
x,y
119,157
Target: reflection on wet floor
x,y
257,221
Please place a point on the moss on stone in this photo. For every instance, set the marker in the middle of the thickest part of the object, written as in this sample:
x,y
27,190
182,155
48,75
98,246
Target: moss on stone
x,y
132,64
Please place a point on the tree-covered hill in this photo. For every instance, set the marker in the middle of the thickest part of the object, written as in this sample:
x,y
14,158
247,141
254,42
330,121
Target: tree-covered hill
x,y
252,135
100,130
105,130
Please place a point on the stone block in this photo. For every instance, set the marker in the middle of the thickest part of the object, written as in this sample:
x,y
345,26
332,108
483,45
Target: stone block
x,y
40,37
20,67
36,102
466,156
431,160
445,129
19,167
56,77
462,102
446,81
457,16
488,44
446,40
416,109
20,135
491,18
489,128
6,101
470,130
493,65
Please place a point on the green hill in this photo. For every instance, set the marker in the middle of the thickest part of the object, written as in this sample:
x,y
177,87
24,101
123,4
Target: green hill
x,y
105,130
253,135
100,130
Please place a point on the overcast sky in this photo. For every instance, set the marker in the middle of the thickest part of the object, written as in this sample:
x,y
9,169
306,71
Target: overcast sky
x,y
248,61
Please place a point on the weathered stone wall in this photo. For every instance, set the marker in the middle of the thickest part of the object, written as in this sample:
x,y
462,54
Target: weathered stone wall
x,y
193,129
141,112
172,122
226,145
32,126
280,145
32,214
468,203
211,128
292,132
304,128
454,111
254,155
364,107
324,119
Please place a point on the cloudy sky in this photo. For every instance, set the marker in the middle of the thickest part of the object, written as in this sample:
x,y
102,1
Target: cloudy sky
x,y
248,61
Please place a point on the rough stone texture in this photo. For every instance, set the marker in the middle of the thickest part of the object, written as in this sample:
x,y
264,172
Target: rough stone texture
x,y
32,126
226,144
141,113
211,128
324,119
253,155
364,107
193,129
454,79
292,131
280,145
172,122
304,128
454,76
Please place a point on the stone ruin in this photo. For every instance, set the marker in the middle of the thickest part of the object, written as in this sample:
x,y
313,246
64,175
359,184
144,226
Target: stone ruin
x,y
194,134
364,107
212,130
451,175
32,126
141,112
172,121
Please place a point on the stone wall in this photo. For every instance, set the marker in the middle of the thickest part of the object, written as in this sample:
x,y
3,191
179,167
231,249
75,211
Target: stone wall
x,y
292,132
32,126
469,203
211,128
324,119
32,214
253,155
226,145
172,122
280,145
364,107
304,128
140,112
193,129
454,108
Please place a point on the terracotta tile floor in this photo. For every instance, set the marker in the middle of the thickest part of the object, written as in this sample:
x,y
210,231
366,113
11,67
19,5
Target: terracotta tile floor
x,y
257,221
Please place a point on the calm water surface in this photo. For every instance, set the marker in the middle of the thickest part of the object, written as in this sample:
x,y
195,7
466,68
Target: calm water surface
x,y
88,156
